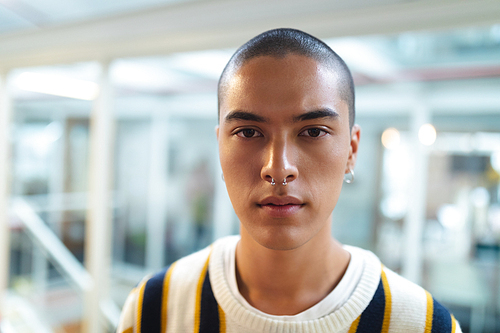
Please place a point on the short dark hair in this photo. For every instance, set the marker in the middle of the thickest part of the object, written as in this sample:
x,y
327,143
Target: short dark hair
x,y
281,42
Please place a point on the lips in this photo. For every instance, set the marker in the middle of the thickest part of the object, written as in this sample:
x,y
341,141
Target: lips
x,y
281,207
280,201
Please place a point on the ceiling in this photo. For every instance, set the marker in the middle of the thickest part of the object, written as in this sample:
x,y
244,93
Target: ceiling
x,y
27,15
47,32
166,48
459,54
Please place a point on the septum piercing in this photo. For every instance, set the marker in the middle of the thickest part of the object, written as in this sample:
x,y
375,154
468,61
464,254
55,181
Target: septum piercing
x,y
273,182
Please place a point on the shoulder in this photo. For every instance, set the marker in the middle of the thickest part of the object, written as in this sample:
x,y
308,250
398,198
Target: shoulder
x,y
143,308
401,305
417,306
176,284
128,315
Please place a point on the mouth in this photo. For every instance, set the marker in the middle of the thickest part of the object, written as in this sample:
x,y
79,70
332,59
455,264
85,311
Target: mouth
x,y
281,207
280,201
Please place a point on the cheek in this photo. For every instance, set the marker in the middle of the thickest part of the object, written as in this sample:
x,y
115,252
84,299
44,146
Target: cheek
x,y
234,161
230,172
239,169
327,160
229,167
325,172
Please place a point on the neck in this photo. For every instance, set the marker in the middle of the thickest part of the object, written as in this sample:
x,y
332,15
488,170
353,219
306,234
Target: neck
x,y
287,282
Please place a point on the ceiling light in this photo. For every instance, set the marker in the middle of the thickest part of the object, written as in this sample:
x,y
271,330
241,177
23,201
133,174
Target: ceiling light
x,y
427,134
57,85
361,56
391,138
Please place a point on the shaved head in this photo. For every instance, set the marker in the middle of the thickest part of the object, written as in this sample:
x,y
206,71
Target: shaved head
x,y
279,43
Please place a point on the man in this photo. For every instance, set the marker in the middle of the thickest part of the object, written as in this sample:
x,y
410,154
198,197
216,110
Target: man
x,y
286,139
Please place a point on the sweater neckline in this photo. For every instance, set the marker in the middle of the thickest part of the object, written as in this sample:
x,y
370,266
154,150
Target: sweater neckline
x,y
339,319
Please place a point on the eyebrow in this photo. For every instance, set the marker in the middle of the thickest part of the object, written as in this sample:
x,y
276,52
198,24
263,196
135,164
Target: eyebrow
x,y
316,114
249,116
244,115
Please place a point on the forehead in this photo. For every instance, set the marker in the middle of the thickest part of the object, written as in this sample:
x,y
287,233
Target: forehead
x,y
295,83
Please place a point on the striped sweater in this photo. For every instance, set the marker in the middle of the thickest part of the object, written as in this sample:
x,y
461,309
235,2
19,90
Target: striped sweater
x,y
194,296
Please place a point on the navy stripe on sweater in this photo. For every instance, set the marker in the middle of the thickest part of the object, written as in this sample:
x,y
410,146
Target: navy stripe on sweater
x,y
441,319
372,318
209,309
151,304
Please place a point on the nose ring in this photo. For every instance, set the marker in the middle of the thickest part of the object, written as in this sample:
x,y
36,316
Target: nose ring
x,y
273,182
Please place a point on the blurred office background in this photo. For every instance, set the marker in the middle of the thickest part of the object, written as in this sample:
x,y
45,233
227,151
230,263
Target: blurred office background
x,y
108,158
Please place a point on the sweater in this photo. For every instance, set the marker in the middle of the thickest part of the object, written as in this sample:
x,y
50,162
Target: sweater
x,y
193,295
331,302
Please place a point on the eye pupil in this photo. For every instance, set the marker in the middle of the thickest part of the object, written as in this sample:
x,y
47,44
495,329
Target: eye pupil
x,y
248,133
314,132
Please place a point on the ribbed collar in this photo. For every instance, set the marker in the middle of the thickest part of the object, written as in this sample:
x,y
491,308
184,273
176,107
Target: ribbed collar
x,y
338,320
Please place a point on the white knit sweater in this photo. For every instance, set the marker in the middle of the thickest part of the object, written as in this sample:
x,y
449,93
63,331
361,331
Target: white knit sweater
x,y
187,299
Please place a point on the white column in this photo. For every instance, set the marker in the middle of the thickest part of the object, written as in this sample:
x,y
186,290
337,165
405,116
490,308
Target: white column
x,y
415,218
99,216
39,273
5,164
157,201
57,175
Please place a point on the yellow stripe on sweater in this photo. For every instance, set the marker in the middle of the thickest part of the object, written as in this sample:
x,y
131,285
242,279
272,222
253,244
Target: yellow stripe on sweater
x,y
453,324
430,312
139,306
354,326
388,303
222,320
129,330
199,288
164,303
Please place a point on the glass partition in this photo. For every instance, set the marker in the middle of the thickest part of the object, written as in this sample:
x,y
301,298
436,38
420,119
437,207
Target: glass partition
x,y
169,199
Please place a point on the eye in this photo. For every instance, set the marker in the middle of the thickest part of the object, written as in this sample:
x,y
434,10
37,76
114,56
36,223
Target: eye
x,y
248,133
313,132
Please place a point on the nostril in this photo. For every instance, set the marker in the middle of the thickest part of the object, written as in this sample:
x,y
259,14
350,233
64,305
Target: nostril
x,y
288,179
270,180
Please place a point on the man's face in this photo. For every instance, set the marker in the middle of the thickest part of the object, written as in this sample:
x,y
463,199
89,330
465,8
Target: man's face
x,y
283,118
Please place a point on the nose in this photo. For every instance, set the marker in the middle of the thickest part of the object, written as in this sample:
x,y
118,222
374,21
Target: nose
x,y
279,167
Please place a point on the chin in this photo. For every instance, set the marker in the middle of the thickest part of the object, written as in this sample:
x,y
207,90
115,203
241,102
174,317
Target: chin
x,y
282,240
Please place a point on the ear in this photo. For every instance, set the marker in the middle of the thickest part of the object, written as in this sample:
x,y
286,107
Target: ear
x,y
217,132
353,150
